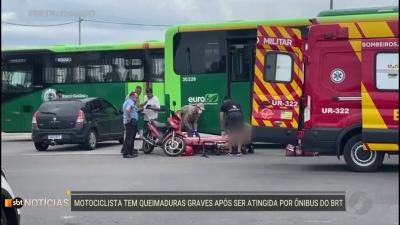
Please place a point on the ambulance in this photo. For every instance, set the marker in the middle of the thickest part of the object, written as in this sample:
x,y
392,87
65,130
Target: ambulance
x,y
331,87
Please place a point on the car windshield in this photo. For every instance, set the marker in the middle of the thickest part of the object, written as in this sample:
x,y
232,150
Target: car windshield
x,y
60,107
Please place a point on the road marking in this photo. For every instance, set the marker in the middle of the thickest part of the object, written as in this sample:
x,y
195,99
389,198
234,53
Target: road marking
x,y
318,221
71,153
67,217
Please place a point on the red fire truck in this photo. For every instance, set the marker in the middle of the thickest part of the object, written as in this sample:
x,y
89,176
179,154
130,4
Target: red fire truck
x,y
333,87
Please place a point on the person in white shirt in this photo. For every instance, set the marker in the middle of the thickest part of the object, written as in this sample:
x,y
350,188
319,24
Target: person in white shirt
x,y
151,107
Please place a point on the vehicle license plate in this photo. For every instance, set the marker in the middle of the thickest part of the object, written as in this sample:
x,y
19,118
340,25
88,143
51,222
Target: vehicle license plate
x,y
55,137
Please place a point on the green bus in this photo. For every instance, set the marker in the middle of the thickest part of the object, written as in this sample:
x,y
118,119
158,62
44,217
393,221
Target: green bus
x,y
110,71
205,62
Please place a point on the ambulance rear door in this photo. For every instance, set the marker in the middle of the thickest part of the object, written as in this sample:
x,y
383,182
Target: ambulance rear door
x,y
277,84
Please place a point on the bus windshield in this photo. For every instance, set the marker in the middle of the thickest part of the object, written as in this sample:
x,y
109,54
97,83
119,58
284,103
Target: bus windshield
x,y
199,52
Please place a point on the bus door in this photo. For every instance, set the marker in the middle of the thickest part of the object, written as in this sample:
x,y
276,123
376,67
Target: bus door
x,y
277,85
240,68
380,93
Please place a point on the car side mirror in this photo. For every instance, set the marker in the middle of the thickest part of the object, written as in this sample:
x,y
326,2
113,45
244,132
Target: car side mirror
x,y
174,103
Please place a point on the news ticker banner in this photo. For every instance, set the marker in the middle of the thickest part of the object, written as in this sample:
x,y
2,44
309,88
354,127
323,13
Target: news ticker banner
x,y
207,201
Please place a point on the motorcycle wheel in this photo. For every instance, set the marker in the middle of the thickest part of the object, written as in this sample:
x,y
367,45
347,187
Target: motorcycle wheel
x,y
174,147
147,147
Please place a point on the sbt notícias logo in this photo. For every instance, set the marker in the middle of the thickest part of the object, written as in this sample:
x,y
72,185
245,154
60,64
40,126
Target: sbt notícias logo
x,y
36,202
15,202
207,99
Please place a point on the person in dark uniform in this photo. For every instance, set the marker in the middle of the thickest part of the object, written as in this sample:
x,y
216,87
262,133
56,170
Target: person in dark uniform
x,y
232,121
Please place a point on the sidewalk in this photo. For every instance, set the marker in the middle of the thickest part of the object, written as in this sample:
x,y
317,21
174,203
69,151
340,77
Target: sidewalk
x,y
24,136
15,136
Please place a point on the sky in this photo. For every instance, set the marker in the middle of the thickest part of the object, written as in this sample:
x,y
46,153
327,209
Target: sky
x,y
160,12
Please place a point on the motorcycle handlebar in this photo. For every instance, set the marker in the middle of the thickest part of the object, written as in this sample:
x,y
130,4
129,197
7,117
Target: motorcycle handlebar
x,y
174,114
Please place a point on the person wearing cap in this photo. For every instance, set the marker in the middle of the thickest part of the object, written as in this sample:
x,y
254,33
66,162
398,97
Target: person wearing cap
x,y
59,94
190,115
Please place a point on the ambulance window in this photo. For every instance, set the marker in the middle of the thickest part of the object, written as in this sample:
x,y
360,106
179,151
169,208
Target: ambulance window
x,y
387,71
278,67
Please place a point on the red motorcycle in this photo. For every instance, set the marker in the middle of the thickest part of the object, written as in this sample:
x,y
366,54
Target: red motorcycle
x,y
167,136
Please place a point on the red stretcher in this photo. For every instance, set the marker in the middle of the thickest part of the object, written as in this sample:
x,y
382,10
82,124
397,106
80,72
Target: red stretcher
x,y
207,142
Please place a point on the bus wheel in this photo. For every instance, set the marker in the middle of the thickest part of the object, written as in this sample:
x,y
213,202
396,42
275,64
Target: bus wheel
x,y
41,146
359,160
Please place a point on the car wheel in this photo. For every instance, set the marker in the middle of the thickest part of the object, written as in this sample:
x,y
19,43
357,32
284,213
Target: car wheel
x,y
91,140
4,220
41,146
359,160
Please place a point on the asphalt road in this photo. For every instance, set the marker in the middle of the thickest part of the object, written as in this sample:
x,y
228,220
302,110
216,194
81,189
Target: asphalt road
x,y
372,198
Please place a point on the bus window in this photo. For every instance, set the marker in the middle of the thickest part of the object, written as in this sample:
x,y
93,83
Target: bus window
x,y
60,75
134,69
16,81
157,69
115,69
240,65
122,66
387,71
200,52
155,66
94,72
212,57
278,67
94,68
61,69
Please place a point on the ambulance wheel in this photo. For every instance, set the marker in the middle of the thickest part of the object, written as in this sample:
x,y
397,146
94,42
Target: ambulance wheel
x,y
359,160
